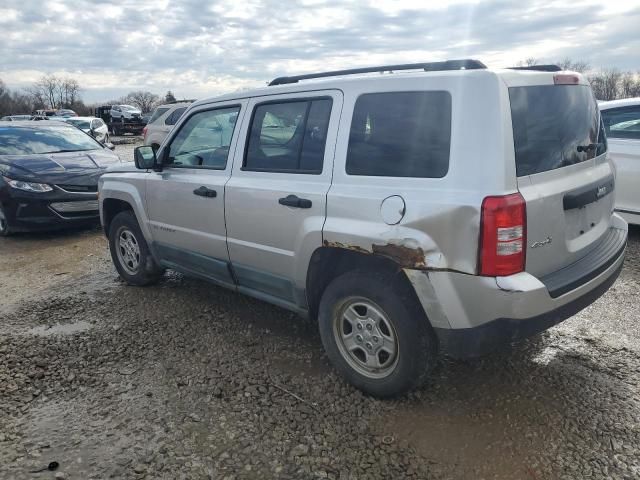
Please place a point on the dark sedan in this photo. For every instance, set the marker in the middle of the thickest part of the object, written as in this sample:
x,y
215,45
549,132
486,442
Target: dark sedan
x,y
49,176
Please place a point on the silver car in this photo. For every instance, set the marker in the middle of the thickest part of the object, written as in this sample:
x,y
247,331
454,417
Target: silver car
x,y
442,208
622,123
91,125
162,121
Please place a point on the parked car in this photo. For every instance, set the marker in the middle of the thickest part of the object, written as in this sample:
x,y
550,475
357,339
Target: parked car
x,y
162,121
622,123
410,213
125,113
91,125
15,118
49,176
66,113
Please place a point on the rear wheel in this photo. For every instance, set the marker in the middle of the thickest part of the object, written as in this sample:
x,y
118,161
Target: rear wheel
x,y
130,252
5,230
375,333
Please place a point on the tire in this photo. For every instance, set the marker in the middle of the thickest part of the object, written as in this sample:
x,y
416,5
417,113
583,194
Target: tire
x,y
130,252
399,324
5,229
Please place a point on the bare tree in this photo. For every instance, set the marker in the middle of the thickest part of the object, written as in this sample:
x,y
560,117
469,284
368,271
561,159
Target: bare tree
x,y
629,85
575,66
169,97
142,99
606,84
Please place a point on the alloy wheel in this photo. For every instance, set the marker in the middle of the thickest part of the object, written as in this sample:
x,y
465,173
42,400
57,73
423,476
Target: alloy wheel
x,y
128,250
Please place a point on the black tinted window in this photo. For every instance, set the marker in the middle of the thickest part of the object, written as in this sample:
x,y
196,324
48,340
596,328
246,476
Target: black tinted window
x,y
401,134
622,122
288,137
550,122
175,116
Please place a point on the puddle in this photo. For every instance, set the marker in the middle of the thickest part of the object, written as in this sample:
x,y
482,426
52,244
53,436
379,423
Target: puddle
x,y
61,329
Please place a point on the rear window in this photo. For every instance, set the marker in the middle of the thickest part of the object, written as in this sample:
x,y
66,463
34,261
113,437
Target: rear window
x,y
400,134
158,113
554,126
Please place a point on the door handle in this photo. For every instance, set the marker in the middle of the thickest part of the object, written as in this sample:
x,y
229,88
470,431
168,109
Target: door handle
x,y
205,192
295,202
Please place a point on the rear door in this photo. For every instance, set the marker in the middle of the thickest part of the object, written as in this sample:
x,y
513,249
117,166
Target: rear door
x,y
563,171
276,197
623,133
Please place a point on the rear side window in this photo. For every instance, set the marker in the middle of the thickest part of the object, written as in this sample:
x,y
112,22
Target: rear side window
x,y
158,113
554,126
622,122
175,116
400,134
288,136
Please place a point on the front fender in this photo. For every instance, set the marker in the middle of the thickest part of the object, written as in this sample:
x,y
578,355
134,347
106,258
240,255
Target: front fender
x,y
130,188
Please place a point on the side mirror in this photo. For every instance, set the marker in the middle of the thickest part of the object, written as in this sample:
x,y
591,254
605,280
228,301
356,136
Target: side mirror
x,y
145,158
92,132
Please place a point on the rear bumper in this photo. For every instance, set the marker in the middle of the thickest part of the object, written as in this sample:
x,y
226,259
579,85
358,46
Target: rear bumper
x,y
473,315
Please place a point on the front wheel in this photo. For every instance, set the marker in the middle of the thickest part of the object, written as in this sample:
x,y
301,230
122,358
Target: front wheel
x,y
5,230
130,252
375,333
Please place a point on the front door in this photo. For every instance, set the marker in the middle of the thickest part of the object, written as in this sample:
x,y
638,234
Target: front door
x,y
185,200
276,198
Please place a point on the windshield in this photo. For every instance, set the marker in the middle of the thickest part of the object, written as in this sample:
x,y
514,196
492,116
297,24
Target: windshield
x,y
554,126
158,113
128,107
44,139
80,123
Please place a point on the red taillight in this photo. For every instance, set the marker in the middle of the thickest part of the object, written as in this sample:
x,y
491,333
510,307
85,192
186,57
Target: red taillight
x,y
503,235
144,133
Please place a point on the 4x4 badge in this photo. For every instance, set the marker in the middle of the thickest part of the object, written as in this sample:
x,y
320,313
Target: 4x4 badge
x,y
542,243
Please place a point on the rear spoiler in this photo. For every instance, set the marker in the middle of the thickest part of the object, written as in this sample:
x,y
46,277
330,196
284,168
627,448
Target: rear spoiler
x,y
539,68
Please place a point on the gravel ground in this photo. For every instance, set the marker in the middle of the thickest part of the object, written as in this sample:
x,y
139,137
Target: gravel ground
x,y
186,380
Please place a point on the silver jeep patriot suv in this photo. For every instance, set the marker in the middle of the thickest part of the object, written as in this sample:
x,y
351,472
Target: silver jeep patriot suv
x,y
411,209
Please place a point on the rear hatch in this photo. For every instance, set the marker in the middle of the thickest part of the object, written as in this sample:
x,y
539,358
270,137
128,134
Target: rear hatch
x,y
563,172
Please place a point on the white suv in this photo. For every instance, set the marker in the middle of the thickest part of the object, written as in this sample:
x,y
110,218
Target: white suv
x,y
622,123
162,121
125,113
450,209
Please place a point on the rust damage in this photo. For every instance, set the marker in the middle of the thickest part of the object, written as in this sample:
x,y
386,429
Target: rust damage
x,y
405,256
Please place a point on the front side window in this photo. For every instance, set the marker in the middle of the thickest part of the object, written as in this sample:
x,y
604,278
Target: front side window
x,y
288,136
175,116
400,134
203,140
623,122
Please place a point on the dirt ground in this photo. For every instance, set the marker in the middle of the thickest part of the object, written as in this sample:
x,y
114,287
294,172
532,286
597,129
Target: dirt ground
x,y
187,380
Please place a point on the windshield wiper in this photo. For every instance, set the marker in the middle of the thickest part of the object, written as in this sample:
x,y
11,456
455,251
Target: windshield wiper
x,y
588,148
70,150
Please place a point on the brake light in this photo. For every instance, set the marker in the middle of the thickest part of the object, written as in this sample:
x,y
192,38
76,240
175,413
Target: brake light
x,y
566,79
503,235
144,133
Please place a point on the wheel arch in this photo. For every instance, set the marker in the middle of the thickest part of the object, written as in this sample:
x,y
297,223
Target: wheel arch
x,y
327,263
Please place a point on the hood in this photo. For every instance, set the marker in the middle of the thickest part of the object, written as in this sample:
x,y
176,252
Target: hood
x,y
70,168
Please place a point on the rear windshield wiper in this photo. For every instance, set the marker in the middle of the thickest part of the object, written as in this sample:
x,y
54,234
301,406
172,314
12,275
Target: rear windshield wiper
x,y
588,148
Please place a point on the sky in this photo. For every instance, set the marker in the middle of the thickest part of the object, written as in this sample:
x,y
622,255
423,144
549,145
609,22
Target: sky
x,y
202,48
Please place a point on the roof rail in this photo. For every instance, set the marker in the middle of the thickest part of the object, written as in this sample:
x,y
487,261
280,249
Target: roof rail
x,y
465,64
539,68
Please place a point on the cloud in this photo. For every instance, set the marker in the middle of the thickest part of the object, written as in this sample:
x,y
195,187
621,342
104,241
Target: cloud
x,y
200,48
